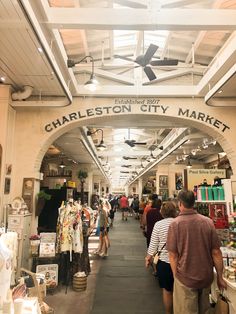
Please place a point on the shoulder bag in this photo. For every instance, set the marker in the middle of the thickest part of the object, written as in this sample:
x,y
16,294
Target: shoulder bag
x,y
157,254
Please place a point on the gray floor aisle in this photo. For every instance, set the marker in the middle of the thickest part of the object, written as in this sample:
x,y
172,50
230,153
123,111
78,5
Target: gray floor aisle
x,y
119,283
123,284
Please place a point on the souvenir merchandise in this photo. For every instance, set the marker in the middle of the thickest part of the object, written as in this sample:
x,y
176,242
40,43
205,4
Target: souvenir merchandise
x,y
10,240
72,239
47,244
50,272
5,271
69,231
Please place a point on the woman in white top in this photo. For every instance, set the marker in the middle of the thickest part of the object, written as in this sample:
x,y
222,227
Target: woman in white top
x,y
158,242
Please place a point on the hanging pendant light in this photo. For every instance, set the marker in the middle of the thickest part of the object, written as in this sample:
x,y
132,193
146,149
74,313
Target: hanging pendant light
x,y
189,165
62,165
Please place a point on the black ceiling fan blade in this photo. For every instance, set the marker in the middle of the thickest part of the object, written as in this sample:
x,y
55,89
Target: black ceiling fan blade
x,y
149,54
150,74
124,58
131,143
140,143
166,62
127,158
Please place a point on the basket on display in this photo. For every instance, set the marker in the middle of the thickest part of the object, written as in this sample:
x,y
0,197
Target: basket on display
x,y
79,281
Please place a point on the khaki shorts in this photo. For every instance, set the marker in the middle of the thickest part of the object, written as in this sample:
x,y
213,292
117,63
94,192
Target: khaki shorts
x,y
190,301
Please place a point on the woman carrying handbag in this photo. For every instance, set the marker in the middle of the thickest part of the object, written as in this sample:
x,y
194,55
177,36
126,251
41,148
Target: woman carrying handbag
x,y
157,251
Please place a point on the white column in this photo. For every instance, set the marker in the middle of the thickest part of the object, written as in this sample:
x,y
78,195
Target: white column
x,y
99,188
90,187
157,183
140,188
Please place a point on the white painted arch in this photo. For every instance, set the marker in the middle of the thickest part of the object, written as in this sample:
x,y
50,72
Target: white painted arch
x,y
36,129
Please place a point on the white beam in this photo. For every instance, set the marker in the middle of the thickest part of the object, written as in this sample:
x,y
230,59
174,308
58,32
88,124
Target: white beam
x,y
178,3
220,65
202,34
130,4
142,19
110,76
155,91
173,74
47,49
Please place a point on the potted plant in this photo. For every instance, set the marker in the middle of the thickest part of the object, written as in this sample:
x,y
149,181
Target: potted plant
x,y
82,175
42,198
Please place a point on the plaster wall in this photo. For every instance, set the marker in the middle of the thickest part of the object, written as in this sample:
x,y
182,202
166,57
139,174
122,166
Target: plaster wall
x,y
7,125
37,128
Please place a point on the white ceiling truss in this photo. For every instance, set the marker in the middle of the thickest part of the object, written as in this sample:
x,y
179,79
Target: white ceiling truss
x,y
201,35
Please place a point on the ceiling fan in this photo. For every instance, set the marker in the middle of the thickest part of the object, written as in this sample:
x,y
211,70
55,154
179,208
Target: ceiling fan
x,y
126,166
145,60
132,143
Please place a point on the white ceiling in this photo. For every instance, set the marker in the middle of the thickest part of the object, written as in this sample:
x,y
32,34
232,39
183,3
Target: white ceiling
x,y
196,33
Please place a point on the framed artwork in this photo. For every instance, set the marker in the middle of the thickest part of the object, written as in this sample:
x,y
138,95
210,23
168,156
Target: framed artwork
x,y
178,181
163,182
7,185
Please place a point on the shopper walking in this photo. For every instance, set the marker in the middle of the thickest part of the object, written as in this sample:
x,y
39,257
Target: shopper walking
x,y
194,249
104,242
135,207
112,216
124,206
158,243
152,216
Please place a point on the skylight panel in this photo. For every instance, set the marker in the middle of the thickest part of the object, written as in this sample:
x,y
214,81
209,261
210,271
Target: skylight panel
x,y
156,37
124,38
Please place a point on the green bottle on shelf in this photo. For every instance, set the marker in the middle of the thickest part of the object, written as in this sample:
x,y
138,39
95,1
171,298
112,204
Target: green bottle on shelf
x,y
203,193
210,193
221,192
215,193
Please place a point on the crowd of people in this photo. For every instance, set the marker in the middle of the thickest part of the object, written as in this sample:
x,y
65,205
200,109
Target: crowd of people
x,y
188,248
185,242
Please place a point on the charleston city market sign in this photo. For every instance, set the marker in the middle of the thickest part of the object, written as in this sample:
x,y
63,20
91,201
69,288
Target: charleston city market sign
x,y
137,106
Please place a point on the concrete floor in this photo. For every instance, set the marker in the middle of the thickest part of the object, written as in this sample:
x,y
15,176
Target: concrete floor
x,y
119,283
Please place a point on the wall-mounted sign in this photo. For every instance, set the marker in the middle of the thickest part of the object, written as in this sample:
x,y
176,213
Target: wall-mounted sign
x,y
138,105
197,176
